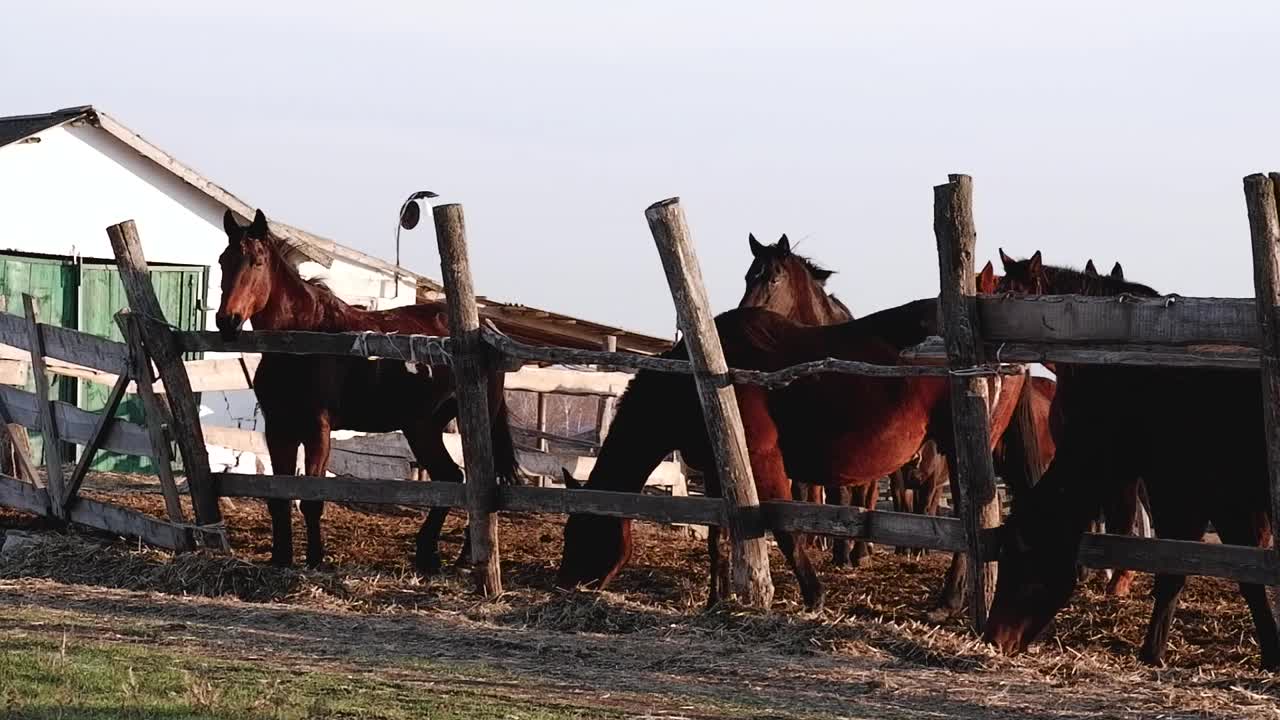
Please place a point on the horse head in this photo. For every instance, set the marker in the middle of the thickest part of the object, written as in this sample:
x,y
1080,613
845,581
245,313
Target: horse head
x,y
1024,277
790,285
246,272
595,547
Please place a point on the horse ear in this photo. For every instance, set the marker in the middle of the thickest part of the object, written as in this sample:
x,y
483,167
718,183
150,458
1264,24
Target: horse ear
x,y
570,481
987,279
230,225
1005,260
784,245
258,228
1090,269
1117,272
756,247
1035,264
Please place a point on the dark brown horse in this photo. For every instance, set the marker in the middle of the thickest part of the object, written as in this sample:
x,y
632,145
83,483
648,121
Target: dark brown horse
x,y
828,429
304,397
1194,436
795,287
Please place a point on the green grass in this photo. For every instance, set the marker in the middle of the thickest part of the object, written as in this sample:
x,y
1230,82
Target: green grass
x,y
73,680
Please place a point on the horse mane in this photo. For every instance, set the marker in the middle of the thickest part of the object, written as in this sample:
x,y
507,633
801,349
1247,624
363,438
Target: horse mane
x,y
816,271
276,247
1070,280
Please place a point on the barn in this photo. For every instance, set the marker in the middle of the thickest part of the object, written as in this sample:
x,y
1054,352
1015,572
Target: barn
x,y
68,174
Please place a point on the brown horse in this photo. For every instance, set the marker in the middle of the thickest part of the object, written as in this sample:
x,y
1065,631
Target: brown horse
x,y
1177,429
304,397
795,287
828,429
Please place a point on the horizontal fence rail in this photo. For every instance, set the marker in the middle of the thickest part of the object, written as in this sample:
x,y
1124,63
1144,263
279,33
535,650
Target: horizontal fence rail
x,y
1233,562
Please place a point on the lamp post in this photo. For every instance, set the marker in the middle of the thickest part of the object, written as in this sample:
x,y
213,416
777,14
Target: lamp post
x,y
410,214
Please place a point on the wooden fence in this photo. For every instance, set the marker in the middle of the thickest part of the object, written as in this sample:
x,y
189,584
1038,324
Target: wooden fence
x,y
1193,332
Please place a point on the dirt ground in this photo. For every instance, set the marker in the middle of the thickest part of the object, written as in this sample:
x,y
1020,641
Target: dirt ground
x,y
645,649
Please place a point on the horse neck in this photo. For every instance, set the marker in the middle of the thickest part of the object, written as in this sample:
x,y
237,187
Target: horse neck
x,y
813,305
640,436
295,304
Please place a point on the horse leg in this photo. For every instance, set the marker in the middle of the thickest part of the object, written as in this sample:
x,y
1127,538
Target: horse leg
x,y
427,444
1254,529
284,461
865,497
840,555
1122,519
810,586
317,458
1178,521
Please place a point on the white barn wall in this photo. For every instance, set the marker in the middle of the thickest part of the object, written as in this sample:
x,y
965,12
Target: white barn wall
x,y
60,194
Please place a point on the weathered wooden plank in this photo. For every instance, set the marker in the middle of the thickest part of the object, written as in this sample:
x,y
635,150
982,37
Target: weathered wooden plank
x,y
413,348
749,557
607,405
972,476
469,367
1226,357
157,418
342,489
75,424
19,442
24,496
1181,557
651,508
1261,197
1085,320
65,344
106,418
162,349
48,423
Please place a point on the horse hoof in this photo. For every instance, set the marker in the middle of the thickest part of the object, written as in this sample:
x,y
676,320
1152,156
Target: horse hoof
x,y
281,561
428,564
464,560
314,563
1151,658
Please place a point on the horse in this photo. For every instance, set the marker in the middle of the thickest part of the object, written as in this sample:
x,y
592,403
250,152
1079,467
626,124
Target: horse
x,y
1181,430
1121,509
304,397
825,429
794,286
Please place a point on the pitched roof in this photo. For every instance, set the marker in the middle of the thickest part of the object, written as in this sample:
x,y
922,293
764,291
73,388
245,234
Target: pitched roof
x,y
530,324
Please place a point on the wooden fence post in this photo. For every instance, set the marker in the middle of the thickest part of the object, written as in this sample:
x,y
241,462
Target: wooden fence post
x,y
48,423
470,362
972,477
605,411
750,554
1261,196
162,347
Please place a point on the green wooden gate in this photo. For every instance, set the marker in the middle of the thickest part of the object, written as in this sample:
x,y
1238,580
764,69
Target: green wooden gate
x,y
86,296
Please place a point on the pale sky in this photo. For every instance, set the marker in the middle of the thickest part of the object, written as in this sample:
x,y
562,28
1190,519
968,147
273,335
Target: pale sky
x,y
1103,130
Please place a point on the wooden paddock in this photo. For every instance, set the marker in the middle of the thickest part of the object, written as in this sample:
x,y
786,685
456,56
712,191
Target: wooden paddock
x,y
984,334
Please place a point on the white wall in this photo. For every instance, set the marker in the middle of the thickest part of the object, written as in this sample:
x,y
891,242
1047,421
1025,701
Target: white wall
x,y
59,195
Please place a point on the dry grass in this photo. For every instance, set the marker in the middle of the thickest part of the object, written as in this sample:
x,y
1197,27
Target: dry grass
x,y
875,633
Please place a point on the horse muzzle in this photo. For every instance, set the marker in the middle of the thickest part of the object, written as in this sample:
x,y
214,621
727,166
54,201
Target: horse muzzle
x,y
229,325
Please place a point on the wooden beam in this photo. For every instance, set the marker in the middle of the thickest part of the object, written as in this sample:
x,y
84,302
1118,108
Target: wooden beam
x,y
749,557
65,344
342,489
651,508
1087,320
48,424
106,418
75,425
162,348
1224,357
16,437
415,348
157,418
1260,196
972,476
97,515
470,363
568,382
1181,557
